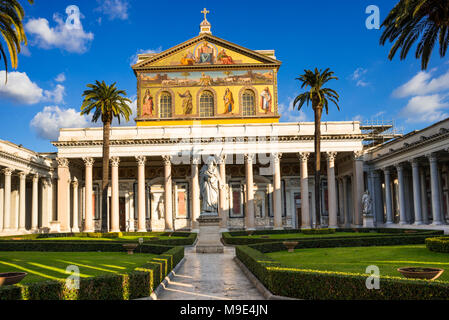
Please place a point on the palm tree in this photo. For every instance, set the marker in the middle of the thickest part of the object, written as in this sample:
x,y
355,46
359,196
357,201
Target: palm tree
x,y
107,103
11,28
319,97
410,20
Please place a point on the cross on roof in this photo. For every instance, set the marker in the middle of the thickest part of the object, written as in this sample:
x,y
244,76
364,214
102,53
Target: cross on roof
x,y
205,12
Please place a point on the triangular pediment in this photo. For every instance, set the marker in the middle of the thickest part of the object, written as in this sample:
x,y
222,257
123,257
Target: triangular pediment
x,y
205,50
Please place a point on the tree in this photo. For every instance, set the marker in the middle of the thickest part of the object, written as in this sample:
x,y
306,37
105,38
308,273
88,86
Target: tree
x,y
410,20
106,102
319,97
11,28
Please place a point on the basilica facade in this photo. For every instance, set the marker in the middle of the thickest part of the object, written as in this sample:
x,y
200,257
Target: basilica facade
x,y
208,97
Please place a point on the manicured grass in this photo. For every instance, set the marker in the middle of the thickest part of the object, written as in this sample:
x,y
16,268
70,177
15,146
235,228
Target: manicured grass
x,y
302,235
356,259
42,266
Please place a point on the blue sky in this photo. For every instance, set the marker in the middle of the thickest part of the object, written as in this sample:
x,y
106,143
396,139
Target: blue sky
x,y
44,93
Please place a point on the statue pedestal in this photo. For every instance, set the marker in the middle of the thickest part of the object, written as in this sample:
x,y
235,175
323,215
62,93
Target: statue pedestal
x,y
368,221
209,235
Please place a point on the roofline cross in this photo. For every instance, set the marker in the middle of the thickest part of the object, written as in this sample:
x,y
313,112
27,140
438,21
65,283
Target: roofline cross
x,y
205,12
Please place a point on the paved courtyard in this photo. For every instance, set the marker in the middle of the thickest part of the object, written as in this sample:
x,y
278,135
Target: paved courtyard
x,y
210,277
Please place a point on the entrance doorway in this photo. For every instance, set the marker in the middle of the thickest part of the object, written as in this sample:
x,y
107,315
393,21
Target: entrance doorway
x,y
122,213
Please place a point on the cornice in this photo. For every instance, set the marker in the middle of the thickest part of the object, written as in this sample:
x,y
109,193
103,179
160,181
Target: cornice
x,y
23,161
166,141
411,146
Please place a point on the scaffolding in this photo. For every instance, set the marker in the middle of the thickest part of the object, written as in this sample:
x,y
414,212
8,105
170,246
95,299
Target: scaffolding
x,y
379,131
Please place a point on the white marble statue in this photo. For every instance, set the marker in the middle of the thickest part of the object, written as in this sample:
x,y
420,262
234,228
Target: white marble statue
x,y
209,180
367,203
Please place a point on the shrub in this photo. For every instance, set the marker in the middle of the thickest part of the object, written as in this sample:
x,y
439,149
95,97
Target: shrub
x,y
321,285
394,238
438,244
318,231
136,284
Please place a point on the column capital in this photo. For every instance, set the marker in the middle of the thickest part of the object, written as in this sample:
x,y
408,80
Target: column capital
x,y
115,161
249,157
399,166
141,160
22,175
88,161
35,177
304,156
414,162
62,162
221,159
75,182
358,155
196,159
7,171
166,159
432,157
46,182
276,156
331,155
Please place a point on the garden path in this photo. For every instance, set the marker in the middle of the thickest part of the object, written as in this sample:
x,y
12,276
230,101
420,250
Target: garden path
x,y
210,277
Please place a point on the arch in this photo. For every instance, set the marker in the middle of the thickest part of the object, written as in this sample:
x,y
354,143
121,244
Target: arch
x,y
242,92
207,98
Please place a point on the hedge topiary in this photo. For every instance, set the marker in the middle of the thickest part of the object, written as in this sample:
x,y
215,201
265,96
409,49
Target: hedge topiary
x,y
136,284
322,285
438,244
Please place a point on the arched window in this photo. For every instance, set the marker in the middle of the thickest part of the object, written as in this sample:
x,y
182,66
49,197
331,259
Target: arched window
x,y
249,103
165,105
207,104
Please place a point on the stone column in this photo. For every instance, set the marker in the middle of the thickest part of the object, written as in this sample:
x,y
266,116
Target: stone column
x,y
196,204
63,201
22,201
75,213
115,216
424,205
141,214
168,201
416,192
305,210
131,211
223,212
7,203
359,185
434,184
277,199
250,218
401,195
89,218
35,204
345,201
388,199
331,189
49,203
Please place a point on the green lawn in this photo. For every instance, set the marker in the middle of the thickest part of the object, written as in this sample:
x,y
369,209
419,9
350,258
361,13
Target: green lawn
x,y
302,235
42,266
356,259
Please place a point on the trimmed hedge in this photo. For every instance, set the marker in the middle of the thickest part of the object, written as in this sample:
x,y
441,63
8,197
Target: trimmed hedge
x,y
374,239
438,244
189,238
136,284
315,285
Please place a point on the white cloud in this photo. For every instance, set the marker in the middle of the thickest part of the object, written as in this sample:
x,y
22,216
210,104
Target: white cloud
x,y
63,36
431,108
135,57
25,51
56,95
359,77
60,77
113,9
52,118
288,114
20,89
358,117
423,84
